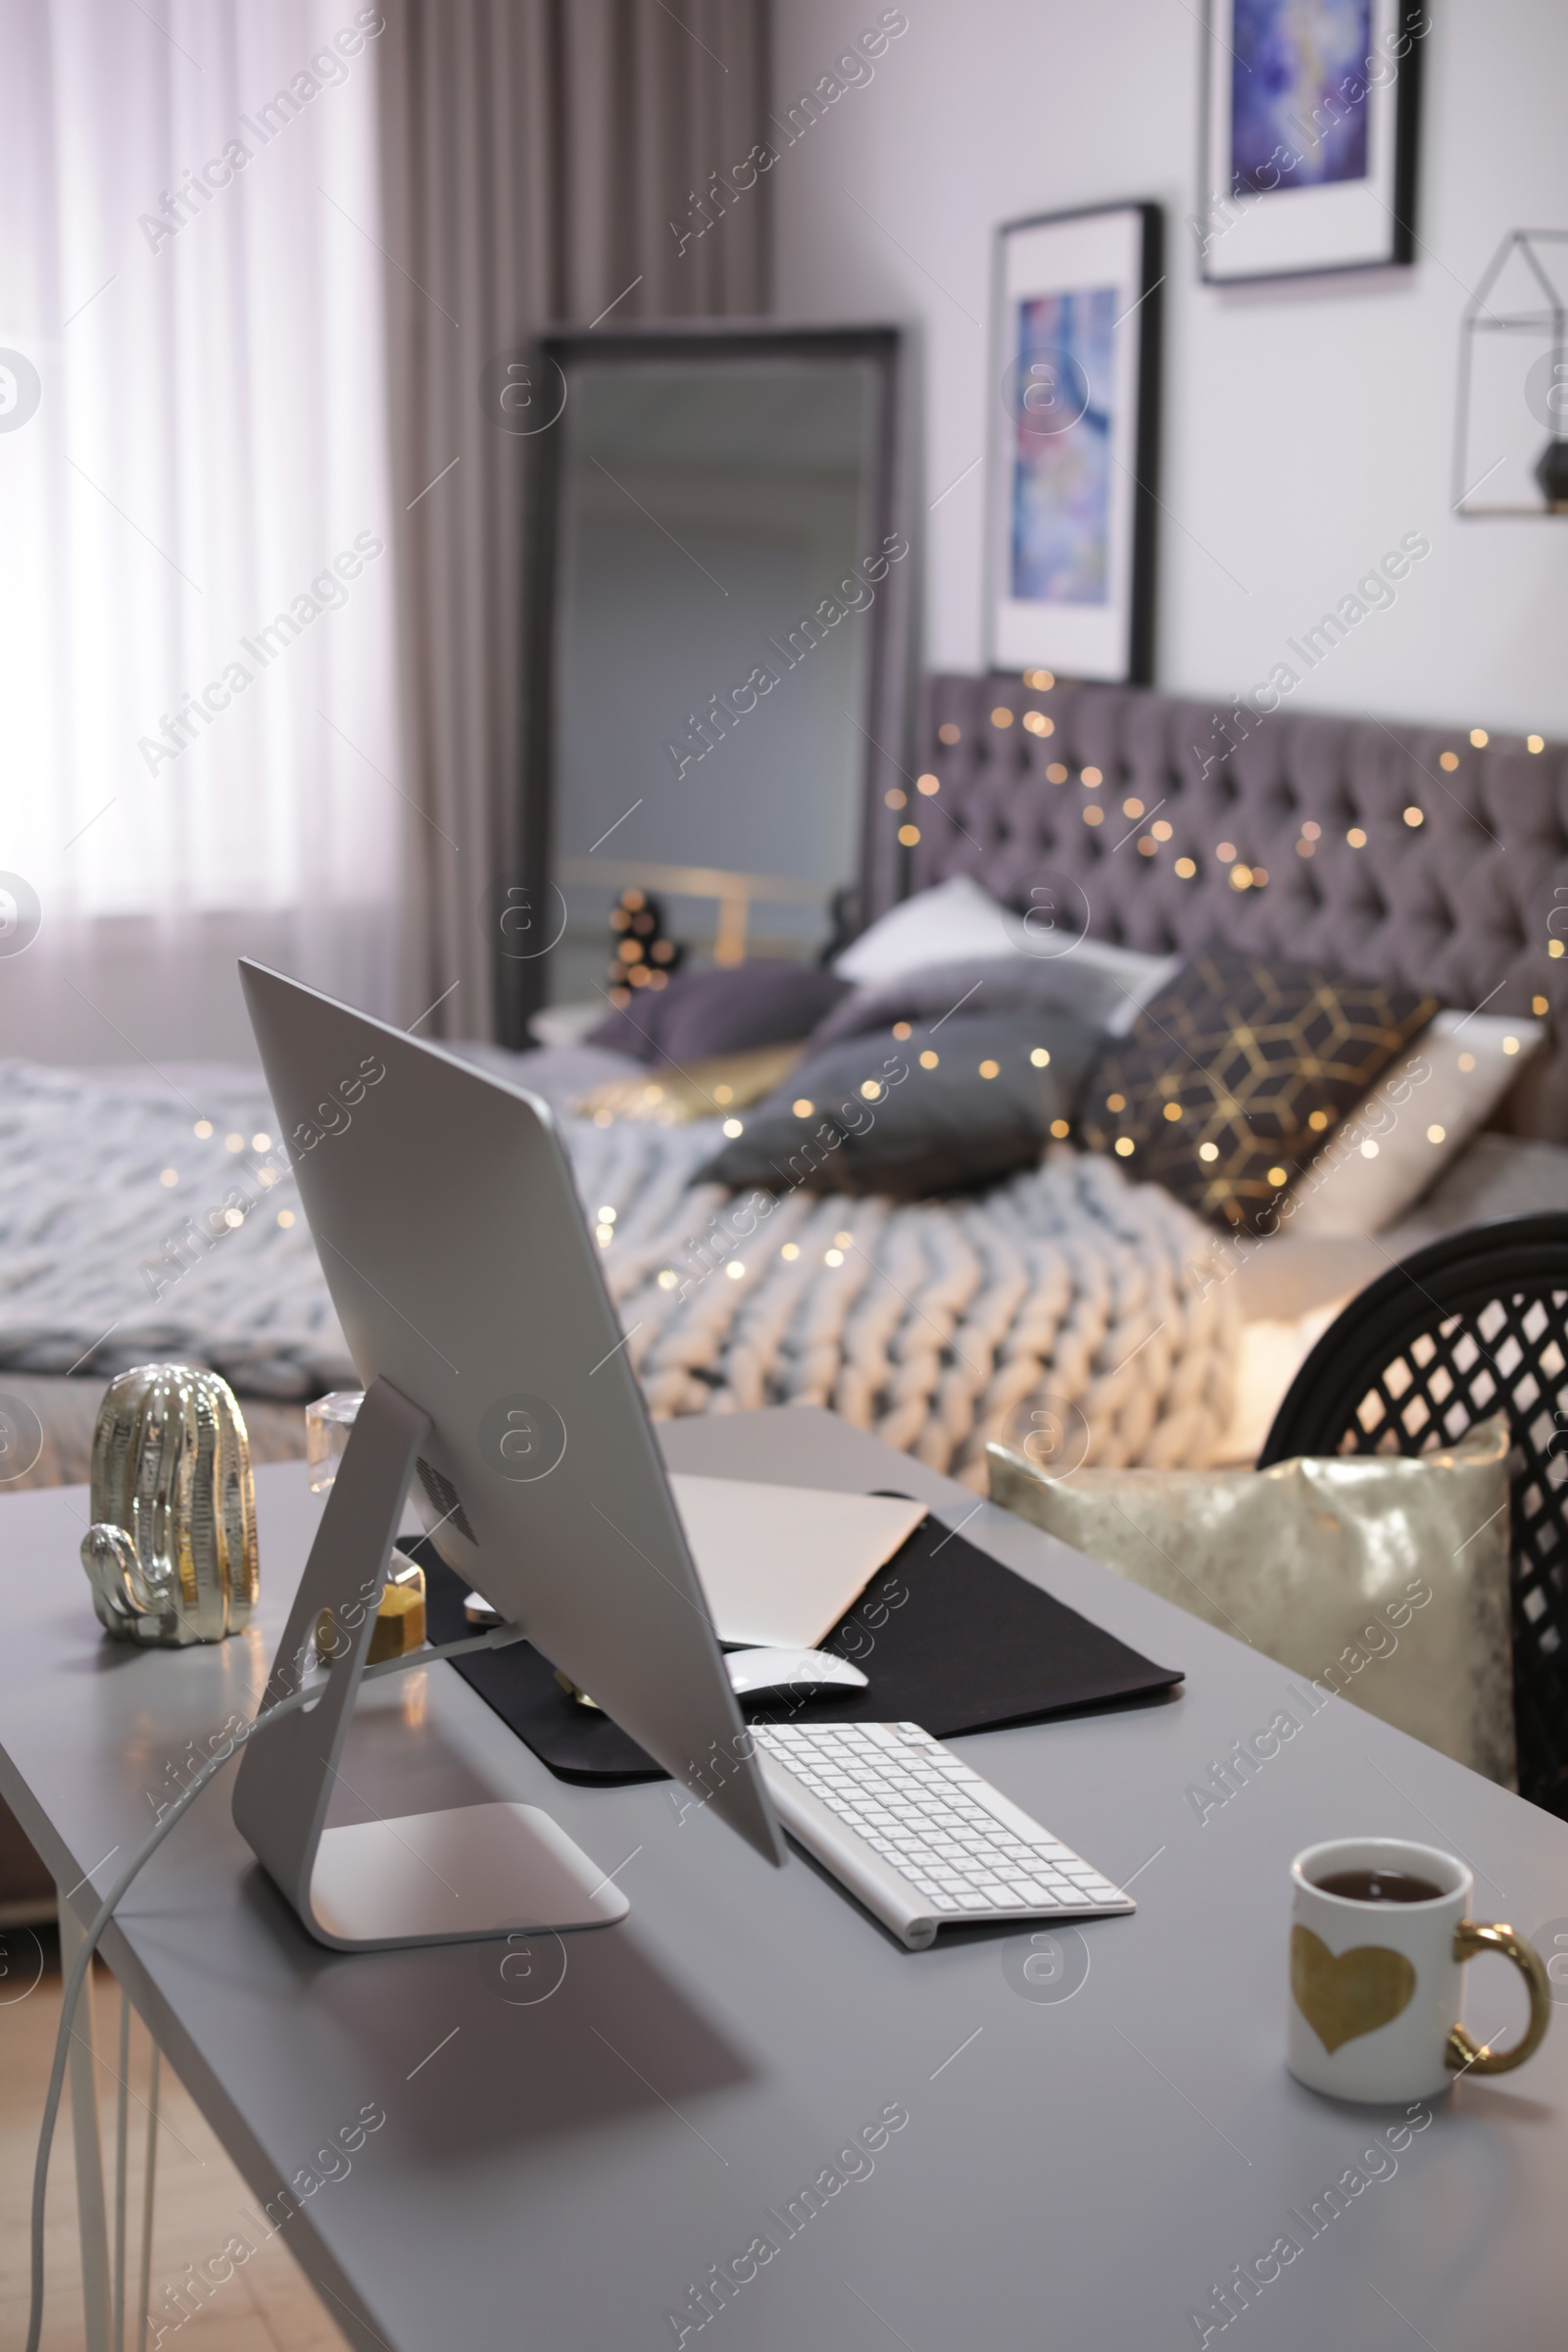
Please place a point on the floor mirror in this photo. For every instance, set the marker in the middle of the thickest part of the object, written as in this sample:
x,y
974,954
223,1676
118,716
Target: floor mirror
x,y
718,600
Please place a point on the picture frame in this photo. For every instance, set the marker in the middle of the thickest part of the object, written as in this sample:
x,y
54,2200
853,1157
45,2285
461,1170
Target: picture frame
x,y
1074,442
1307,153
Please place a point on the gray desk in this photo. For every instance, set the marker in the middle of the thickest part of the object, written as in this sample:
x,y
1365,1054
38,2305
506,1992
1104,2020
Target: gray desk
x,y
557,2172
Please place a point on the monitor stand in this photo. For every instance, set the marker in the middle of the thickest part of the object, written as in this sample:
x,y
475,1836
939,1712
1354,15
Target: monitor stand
x,y
426,1878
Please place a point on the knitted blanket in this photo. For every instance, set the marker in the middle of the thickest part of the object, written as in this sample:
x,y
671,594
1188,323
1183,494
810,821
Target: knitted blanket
x,y
1061,1303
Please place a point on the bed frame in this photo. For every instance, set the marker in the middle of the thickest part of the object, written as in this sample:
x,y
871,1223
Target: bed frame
x,y
1471,902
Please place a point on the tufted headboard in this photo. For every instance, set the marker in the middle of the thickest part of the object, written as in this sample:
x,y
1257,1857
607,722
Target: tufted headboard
x,y
1459,902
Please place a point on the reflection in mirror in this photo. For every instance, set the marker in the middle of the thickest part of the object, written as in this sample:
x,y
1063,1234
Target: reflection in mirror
x,y
717,620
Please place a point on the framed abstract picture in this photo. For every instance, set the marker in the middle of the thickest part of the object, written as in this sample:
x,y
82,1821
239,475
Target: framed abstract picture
x,y
1307,158
1075,438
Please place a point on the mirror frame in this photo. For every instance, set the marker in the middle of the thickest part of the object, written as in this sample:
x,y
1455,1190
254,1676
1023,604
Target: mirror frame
x,y
882,875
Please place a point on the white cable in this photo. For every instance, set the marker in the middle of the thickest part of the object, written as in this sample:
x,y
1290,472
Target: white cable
x,y
498,1637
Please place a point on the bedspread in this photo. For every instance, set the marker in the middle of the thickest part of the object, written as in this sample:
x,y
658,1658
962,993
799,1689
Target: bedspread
x,y
1063,1293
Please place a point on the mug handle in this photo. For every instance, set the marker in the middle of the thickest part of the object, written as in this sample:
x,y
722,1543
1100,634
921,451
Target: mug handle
x,y
1465,2055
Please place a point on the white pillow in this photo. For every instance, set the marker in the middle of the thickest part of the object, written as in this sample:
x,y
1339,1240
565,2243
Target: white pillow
x,y
1133,977
954,923
958,922
1400,1136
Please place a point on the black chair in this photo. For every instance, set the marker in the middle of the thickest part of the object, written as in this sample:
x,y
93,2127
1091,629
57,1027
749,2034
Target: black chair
x,y
1473,1325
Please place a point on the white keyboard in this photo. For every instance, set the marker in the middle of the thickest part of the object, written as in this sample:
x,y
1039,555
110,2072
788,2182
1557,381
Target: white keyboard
x,y
917,1835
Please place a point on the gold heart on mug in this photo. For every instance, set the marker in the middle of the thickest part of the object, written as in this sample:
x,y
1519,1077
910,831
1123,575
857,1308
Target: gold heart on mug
x,y
1344,1995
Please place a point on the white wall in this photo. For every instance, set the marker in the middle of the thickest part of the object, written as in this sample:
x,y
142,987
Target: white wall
x,y
1306,426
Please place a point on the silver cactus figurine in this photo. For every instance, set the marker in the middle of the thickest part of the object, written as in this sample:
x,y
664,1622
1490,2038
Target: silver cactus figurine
x,y
171,1553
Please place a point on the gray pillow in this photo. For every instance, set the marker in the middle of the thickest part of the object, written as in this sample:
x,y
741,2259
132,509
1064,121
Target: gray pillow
x,y
877,1118
1077,982
701,1014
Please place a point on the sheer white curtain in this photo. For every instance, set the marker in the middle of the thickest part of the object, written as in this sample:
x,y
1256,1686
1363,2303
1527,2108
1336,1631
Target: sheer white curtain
x,y
198,750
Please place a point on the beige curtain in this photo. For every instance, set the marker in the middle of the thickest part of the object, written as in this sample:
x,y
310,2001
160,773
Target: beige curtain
x,y
534,155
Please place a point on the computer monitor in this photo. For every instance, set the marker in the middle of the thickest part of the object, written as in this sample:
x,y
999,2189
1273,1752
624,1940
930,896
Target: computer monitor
x,y
458,1259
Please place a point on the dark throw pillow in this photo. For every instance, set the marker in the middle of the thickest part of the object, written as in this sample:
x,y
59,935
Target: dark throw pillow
x,y
1233,1077
727,1011
959,1104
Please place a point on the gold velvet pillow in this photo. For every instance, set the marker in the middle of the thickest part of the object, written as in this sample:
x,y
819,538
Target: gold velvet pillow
x,y
1378,1577
1233,1078
706,1090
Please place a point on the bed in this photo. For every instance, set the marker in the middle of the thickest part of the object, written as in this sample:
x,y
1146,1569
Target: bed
x,y
1063,1290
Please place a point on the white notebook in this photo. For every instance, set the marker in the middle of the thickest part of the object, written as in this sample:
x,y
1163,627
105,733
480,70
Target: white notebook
x,y
780,1565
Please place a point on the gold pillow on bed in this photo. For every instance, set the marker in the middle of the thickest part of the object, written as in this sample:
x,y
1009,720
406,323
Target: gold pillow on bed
x,y
1380,1578
673,1097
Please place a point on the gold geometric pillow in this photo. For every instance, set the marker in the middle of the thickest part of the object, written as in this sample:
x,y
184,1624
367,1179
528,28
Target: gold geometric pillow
x,y
1232,1079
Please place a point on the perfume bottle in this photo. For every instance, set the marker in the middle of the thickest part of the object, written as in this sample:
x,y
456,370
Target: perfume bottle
x,y
328,1427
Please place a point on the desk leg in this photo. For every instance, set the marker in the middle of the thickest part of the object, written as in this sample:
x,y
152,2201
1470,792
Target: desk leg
x,y
122,2167
90,2211
149,2183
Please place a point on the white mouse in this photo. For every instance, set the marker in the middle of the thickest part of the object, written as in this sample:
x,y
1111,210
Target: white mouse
x,y
797,1672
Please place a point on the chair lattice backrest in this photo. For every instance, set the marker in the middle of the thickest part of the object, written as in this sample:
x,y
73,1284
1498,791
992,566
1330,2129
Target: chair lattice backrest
x,y
1473,1325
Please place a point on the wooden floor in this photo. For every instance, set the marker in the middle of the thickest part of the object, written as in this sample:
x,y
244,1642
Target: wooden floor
x,y
199,2201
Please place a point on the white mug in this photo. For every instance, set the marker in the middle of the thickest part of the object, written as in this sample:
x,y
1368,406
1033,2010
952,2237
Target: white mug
x,y
1377,1985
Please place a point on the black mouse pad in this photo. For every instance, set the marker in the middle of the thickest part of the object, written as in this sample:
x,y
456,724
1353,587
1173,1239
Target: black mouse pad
x,y
949,1638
